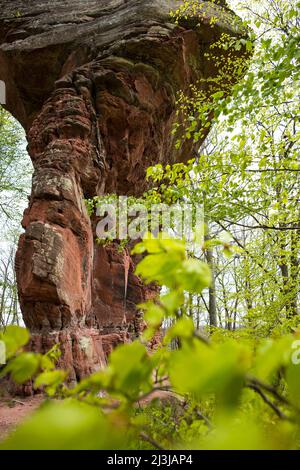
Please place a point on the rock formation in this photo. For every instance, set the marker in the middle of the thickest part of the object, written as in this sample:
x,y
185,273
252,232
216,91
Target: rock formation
x,y
94,84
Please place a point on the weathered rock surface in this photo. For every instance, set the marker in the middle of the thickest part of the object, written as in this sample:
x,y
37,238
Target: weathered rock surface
x,y
94,84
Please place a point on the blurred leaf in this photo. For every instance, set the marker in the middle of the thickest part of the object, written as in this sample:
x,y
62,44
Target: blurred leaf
x,y
200,369
23,367
50,380
194,276
131,370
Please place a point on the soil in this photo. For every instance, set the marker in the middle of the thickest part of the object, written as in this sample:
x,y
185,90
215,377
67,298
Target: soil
x,y
14,411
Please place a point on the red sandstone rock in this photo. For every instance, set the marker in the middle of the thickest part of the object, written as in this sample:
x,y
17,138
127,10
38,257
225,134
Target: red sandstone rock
x,y
94,84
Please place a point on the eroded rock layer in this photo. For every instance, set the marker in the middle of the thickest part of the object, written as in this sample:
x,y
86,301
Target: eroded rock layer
x,y
94,84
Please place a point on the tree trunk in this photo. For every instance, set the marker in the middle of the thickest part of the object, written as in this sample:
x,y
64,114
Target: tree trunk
x,y
213,316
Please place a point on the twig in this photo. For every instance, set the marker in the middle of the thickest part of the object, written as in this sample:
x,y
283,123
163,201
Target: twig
x,y
272,405
268,388
19,402
167,388
204,418
151,441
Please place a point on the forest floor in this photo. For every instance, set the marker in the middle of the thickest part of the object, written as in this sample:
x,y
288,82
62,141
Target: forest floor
x,y
14,411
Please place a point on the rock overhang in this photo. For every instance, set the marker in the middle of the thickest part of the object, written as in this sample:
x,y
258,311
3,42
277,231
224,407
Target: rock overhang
x,y
41,41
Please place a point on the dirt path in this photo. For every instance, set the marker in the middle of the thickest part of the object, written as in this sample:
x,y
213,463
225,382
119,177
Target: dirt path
x,y
14,411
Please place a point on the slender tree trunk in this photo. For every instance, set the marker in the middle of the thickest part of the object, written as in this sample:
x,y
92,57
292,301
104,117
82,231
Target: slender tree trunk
x,y
213,317
295,237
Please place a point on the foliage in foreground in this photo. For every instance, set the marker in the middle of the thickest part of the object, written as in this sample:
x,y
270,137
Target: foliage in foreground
x,y
227,389
227,392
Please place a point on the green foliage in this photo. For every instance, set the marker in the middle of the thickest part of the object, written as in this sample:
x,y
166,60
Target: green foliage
x,y
223,374
235,386
168,265
14,338
23,367
51,381
239,381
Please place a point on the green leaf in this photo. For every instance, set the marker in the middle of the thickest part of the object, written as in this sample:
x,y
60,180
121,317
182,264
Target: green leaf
x,y
172,301
293,382
14,338
50,380
161,268
46,363
184,328
131,370
201,369
154,314
271,356
194,276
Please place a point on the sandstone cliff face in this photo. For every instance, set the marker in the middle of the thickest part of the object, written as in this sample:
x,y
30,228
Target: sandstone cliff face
x,y
94,84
